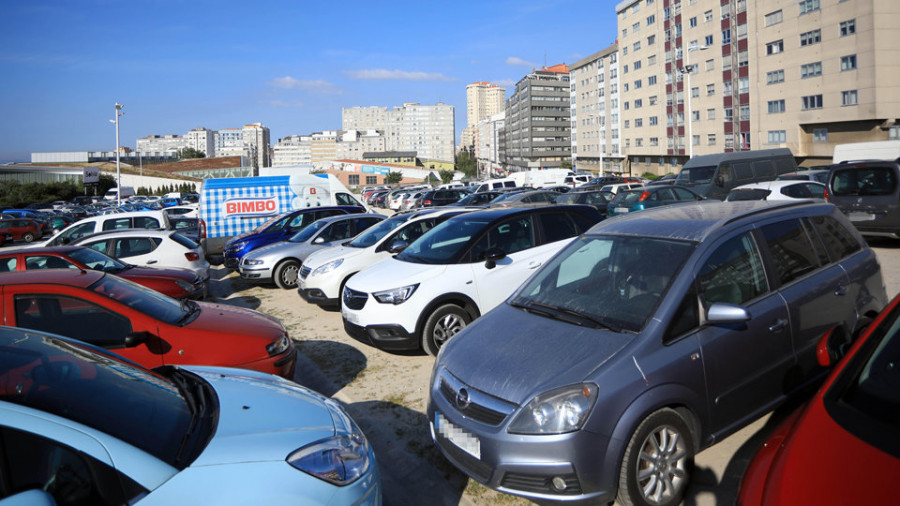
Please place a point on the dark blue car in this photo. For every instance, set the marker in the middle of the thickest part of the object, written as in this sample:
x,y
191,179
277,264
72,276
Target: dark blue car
x,y
280,228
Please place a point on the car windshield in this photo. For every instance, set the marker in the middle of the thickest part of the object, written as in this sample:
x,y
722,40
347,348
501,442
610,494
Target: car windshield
x,y
145,300
272,224
626,197
614,282
445,243
376,233
695,175
307,233
132,404
97,261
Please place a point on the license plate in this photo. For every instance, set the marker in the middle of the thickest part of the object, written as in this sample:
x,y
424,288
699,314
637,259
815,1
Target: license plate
x,y
621,209
857,216
352,318
465,440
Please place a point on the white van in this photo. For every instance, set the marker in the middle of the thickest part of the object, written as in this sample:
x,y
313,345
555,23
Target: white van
x,y
496,184
119,221
876,150
113,193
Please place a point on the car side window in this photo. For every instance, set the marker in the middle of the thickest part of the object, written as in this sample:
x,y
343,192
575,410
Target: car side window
x,y
557,226
134,246
146,222
78,231
512,235
686,318
101,246
839,241
117,224
8,264
72,317
345,200
337,231
792,253
47,262
733,273
682,194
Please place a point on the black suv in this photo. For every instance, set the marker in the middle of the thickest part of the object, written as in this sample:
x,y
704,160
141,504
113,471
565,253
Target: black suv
x,y
437,198
869,194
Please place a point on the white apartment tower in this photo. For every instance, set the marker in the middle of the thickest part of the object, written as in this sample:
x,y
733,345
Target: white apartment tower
x,y
203,140
292,150
483,99
594,85
429,130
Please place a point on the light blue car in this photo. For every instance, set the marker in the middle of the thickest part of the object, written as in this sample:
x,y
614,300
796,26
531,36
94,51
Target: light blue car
x,y
81,426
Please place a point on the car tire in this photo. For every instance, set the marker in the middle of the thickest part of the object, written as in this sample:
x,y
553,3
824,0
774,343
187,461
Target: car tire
x,y
657,463
285,275
443,323
27,237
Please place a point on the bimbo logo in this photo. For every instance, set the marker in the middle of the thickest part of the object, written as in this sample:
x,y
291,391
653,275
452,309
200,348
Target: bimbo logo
x,y
251,207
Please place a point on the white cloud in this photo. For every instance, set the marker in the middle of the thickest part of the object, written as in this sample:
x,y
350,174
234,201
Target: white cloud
x,y
395,75
315,86
515,60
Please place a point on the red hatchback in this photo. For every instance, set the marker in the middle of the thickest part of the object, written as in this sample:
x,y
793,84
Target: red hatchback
x,y
843,447
21,229
143,325
174,282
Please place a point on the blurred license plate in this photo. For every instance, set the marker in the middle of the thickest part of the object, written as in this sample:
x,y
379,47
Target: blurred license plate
x,y
462,438
352,318
856,216
621,209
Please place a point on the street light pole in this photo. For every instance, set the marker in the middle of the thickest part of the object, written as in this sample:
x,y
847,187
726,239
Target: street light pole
x,y
118,167
687,69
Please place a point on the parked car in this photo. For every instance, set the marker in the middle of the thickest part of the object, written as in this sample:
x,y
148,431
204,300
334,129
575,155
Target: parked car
x,y
118,221
189,211
599,182
323,275
279,228
629,201
616,188
817,175
855,412
86,427
397,200
869,194
596,198
21,229
188,227
409,200
144,325
480,199
663,180
280,262
779,190
438,198
174,282
457,271
646,340
713,176
526,198
5,237
157,248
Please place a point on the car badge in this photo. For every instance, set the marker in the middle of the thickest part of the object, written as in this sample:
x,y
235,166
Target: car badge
x,y
462,399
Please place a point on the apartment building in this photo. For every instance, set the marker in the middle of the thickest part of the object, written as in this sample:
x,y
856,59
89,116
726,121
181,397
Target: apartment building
x,y
732,75
323,146
487,143
161,144
256,137
292,150
595,127
483,99
353,144
537,130
429,130
203,140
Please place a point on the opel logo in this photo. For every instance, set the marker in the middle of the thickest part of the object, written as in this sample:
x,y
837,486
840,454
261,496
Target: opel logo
x,y
462,399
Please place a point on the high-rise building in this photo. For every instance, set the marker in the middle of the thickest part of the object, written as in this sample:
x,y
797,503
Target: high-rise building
x,y
429,130
292,150
487,143
483,99
537,120
256,137
203,140
594,85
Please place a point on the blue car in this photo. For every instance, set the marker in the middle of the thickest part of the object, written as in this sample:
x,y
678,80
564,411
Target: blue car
x,y
280,228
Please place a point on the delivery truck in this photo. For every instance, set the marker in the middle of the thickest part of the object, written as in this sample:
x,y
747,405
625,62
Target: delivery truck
x,y
233,206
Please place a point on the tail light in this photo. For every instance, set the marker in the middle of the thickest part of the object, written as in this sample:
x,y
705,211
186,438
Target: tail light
x,y
827,196
644,196
202,229
426,202
192,256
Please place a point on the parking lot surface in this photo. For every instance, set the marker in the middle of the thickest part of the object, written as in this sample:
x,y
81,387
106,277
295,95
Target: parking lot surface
x,y
386,393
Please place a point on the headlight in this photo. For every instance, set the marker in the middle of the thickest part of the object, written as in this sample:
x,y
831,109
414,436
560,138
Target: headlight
x,y
252,262
396,295
557,411
184,285
278,347
326,268
340,459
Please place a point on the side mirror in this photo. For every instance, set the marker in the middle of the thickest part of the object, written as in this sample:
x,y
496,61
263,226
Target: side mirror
x,y
137,338
723,313
720,181
831,347
397,247
62,241
493,256
319,240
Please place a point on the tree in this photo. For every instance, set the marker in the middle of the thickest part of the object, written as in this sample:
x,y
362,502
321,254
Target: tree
x,y
187,153
446,176
565,164
466,164
393,178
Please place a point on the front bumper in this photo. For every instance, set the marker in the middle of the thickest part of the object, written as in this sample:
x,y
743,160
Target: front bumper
x,y
255,272
318,297
282,364
384,337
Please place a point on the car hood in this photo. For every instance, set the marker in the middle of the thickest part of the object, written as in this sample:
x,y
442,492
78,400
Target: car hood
x,y
261,417
325,255
223,318
281,249
392,273
526,354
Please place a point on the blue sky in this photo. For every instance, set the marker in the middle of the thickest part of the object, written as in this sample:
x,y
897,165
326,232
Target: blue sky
x,y
291,65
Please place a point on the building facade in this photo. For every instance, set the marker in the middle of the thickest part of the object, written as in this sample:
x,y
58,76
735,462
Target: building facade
x,y
483,99
537,126
203,140
595,113
487,143
256,137
161,144
429,130
292,150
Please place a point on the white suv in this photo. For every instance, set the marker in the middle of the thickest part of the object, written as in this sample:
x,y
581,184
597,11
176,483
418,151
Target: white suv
x,y
136,219
324,272
454,273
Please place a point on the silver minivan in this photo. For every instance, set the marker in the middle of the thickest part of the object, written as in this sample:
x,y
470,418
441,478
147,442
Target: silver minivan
x,y
649,338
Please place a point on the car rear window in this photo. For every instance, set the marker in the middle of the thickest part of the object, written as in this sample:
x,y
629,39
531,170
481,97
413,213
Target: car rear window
x,y
748,194
865,180
184,241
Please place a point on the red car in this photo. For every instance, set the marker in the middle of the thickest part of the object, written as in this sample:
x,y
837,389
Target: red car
x,y
174,282
143,325
843,447
21,229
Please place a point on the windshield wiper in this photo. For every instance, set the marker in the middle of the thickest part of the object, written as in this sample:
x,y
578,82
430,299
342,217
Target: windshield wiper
x,y
556,313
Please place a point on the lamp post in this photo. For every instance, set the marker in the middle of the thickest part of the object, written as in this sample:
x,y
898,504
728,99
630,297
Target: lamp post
x,y
118,167
601,143
686,70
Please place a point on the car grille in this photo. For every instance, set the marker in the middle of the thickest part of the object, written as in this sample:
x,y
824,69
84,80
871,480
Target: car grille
x,y
540,484
476,468
354,300
472,410
304,272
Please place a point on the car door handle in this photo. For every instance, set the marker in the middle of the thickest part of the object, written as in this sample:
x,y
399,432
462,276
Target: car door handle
x,y
778,326
841,290
534,265
151,262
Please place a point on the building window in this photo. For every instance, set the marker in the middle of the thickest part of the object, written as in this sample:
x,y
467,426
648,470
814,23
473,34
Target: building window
x,y
695,140
707,16
848,62
710,139
695,115
710,89
651,19
807,6
651,40
776,106
653,120
777,136
776,76
693,22
811,70
637,65
710,114
726,36
775,47
653,100
695,92
774,18
627,123
710,65
810,38
651,60
624,32
639,142
636,47
849,97
371,179
651,80
812,102
745,113
820,135
744,85
353,180
638,103
654,141
848,27
625,67
638,122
